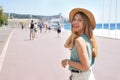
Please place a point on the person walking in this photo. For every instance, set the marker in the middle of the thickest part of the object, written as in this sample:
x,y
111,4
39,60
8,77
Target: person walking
x,y
22,26
35,31
58,29
82,44
32,33
40,27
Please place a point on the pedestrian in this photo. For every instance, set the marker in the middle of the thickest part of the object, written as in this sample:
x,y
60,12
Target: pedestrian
x,y
58,29
32,33
22,26
40,27
35,31
82,44
45,27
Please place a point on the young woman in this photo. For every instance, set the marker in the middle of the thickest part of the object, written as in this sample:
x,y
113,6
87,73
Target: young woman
x,y
82,44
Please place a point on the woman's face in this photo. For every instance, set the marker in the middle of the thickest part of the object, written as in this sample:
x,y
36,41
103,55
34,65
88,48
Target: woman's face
x,y
77,24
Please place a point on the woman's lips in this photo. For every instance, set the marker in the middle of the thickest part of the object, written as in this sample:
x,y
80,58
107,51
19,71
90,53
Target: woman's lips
x,y
75,26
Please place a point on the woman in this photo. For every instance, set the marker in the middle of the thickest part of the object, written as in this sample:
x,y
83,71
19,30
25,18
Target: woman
x,y
82,44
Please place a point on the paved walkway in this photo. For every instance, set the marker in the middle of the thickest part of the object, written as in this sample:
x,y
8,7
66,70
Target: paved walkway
x,y
4,34
107,65
40,59
34,60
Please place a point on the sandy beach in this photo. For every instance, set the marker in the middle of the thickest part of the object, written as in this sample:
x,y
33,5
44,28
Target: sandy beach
x,y
40,59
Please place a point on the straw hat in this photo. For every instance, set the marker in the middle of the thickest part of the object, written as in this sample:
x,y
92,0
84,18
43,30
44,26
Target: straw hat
x,y
86,12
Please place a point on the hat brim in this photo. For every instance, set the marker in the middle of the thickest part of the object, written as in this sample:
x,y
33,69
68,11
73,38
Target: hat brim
x,y
86,12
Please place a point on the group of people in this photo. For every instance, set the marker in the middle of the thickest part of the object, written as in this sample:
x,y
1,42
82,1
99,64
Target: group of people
x,y
34,27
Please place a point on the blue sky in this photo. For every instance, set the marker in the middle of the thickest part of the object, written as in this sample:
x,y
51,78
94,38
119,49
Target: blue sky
x,y
54,7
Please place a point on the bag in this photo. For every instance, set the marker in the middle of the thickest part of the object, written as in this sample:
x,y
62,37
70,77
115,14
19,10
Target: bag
x,y
35,29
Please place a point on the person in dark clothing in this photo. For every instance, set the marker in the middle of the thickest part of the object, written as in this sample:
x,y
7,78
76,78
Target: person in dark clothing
x,y
32,35
58,29
22,26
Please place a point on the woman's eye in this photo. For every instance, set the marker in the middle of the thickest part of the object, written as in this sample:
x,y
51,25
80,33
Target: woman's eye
x,y
74,19
79,20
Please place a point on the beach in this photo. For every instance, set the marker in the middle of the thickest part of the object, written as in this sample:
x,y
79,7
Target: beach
x,y
41,58
108,31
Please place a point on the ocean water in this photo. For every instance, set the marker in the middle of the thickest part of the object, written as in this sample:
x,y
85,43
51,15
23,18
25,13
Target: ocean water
x,y
107,26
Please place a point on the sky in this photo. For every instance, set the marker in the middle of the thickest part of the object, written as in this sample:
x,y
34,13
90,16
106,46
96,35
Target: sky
x,y
103,12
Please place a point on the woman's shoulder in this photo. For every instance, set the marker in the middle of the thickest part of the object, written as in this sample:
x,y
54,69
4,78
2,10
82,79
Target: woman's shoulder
x,y
80,40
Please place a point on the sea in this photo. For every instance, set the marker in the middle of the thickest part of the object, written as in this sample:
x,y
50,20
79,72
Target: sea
x,y
109,30
107,26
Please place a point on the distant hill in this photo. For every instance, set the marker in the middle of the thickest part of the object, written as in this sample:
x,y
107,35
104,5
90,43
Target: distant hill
x,y
40,17
29,16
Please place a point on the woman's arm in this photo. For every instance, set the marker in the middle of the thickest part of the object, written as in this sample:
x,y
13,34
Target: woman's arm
x,y
84,63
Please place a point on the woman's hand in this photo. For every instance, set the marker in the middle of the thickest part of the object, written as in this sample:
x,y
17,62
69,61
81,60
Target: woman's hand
x,y
64,62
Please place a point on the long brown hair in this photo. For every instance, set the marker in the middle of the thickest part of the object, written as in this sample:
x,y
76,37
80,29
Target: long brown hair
x,y
89,33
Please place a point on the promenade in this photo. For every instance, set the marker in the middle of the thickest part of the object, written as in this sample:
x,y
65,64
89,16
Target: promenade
x,y
4,34
40,59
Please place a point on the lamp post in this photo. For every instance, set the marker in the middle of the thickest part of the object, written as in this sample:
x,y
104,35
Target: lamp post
x,y
116,20
103,17
109,19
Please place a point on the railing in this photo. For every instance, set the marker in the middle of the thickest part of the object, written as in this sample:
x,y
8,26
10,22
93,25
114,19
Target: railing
x,y
115,34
